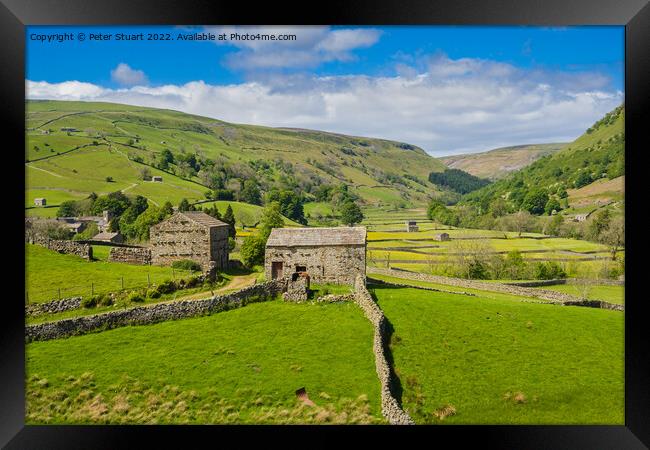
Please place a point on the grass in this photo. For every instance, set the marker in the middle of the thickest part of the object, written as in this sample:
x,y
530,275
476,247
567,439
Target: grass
x,y
48,271
239,366
505,362
612,294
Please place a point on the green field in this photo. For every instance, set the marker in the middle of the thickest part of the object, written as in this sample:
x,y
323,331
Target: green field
x,y
239,366
612,294
48,271
138,132
505,362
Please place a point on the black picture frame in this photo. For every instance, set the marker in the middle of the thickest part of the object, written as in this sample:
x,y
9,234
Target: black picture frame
x,y
633,14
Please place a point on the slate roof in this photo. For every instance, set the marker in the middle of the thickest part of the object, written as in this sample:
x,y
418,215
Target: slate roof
x,y
203,219
316,237
105,236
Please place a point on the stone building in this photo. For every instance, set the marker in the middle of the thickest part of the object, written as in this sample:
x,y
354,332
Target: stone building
x,y
327,255
156,179
412,226
442,237
190,235
110,237
40,202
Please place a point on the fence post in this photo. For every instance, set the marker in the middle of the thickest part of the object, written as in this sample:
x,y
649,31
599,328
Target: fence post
x,y
148,281
122,280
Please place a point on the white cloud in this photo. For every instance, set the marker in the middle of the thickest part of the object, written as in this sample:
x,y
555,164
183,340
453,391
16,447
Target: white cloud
x,y
126,76
444,106
313,46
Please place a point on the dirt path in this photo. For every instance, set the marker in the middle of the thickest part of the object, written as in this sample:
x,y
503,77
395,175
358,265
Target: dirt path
x,y
238,282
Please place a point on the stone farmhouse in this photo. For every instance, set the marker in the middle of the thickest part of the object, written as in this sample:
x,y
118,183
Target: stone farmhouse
x,y
327,255
412,226
190,235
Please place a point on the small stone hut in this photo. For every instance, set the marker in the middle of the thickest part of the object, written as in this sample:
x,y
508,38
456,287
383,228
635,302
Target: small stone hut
x,y
328,255
412,226
40,202
107,236
156,179
190,235
442,237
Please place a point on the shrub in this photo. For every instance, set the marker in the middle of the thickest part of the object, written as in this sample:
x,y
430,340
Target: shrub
x,y
167,287
187,264
104,299
548,270
192,282
89,302
135,297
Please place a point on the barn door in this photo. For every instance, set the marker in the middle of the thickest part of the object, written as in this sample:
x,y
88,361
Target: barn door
x,y
276,270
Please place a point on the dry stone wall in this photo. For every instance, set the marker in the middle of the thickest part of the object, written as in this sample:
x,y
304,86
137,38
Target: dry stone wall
x,y
390,408
551,296
130,255
159,312
67,247
55,306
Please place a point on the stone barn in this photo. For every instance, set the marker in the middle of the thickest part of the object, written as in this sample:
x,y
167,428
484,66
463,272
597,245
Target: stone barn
x,y
412,226
327,255
442,237
190,235
40,202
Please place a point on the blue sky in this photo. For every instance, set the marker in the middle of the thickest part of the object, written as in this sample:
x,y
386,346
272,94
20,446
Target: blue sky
x,y
503,85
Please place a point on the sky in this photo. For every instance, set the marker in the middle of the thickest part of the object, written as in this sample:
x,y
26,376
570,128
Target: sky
x,y
449,90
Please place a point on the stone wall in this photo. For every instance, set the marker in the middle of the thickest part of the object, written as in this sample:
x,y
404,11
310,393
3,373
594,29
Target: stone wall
x,y
130,255
390,408
405,285
55,306
67,247
336,264
149,314
551,296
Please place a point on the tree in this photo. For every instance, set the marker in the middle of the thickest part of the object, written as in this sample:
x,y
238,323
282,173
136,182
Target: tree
x,y
554,226
598,224
252,250
552,205
614,236
229,218
67,209
184,205
251,193
145,173
167,209
271,218
351,213
535,201
115,202
583,179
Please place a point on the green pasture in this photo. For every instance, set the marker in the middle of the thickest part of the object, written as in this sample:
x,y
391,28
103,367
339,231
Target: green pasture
x,y
505,362
48,271
239,366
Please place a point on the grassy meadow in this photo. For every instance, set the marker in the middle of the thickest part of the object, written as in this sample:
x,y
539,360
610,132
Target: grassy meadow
x,y
478,360
239,366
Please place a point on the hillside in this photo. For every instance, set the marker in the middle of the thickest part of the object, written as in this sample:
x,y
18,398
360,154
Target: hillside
x,y
497,163
585,175
72,148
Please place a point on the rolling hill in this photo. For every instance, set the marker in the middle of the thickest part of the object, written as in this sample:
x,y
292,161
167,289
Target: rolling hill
x,y
589,172
497,163
75,148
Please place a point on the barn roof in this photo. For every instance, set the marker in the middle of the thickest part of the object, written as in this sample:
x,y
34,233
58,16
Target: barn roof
x,y
105,236
308,237
203,219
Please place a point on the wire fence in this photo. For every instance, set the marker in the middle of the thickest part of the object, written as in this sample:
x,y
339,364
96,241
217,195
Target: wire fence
x,y
103,285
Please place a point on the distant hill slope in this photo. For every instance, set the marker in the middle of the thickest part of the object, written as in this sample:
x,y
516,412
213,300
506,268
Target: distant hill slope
x,y
72,147
497,163
588,172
